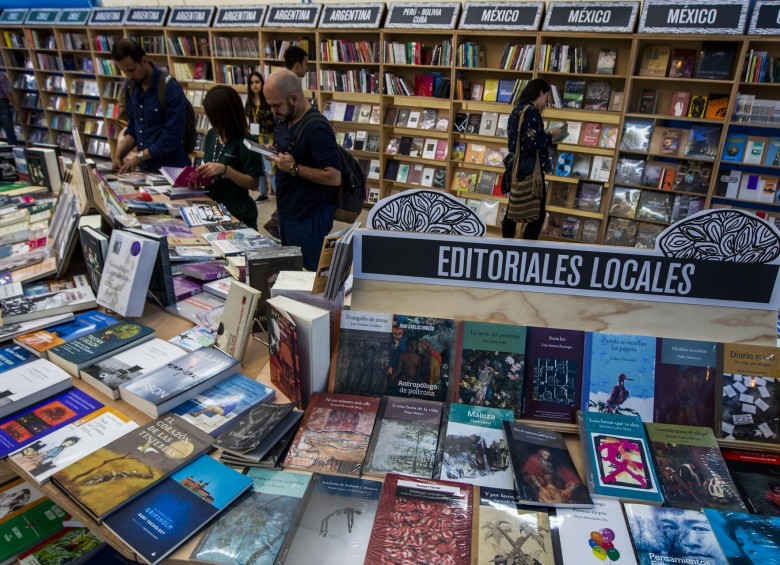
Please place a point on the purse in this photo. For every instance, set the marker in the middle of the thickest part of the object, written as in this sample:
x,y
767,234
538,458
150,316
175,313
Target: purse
x,y
526,186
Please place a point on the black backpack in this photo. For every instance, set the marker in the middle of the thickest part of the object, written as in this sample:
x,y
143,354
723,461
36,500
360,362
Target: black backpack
x,y
190,133
352,192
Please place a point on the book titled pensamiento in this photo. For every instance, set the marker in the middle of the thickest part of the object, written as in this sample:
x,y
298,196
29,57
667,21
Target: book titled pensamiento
x,y
110,477
169,513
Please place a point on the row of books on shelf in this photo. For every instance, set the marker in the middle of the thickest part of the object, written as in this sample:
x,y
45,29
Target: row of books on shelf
x,y
152,44
336,111
30,100
426,118
232,74
14,40
415,174
761,67
26,81
56,84
751,149
476,154
360,80
582,166
104,43
641,135
92,127
112,89
48,62
713,61
105,66
429,85
574,228
482,182
417,53
60,103
684,176
275,48
750,109
191,71
488,90
40,40
74,41
651,205
84,87
235,46
748,186
432,148
358,140
587,95
88,107
562,58
683,104
189,45
342,51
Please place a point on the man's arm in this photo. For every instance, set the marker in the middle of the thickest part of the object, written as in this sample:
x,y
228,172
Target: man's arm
x,y
324,152
123,148
328,176
173,129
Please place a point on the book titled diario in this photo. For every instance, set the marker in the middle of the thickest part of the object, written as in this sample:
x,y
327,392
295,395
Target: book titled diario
x,y
165,516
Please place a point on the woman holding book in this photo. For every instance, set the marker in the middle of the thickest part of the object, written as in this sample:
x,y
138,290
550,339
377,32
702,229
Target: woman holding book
x,y
235,169
533,141
261,126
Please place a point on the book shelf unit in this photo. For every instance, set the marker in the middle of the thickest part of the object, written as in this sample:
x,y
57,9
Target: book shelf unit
x,y
235,54
33,124
275,41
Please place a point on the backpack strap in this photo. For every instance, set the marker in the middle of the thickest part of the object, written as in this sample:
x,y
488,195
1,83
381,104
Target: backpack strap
x,y
162,84
307,118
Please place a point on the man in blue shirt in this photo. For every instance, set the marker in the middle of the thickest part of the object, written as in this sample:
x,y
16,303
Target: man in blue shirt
x,y
154,131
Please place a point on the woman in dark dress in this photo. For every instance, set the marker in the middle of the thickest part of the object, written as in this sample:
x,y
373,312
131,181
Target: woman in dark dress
x,y
236,170
533,140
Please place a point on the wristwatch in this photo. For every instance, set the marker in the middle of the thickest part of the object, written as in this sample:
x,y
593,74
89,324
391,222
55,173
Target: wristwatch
x,y
294,170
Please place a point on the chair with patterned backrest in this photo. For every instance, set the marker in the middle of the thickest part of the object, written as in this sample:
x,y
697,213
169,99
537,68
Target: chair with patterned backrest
x,y
425,211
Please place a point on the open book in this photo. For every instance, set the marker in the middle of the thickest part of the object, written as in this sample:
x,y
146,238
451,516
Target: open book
x,y
185,176
262,149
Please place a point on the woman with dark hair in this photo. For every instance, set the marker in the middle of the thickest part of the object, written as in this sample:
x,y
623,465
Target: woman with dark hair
x,y
533,141
261,126
235,169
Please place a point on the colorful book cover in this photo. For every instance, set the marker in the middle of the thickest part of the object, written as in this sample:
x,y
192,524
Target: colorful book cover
x,y
672,535
489,365
252,530
194,338
253,426
405,437
619,375
685,382
745,538
544,472
82,324
113,475
35,520
504,532
757,476
334,435
206,270
12,356
71,545
27,426
422,521
16,496
215,409
473,447
553,385
617,457
750,405
692,471
55,451
284,353
600,533
333,523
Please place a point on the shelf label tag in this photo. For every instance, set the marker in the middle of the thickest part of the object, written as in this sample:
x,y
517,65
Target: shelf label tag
x,y
191,16
146,16
363,16
107,16
710,17
516,16
605,17
766,18
73,17
41,16
423,16
13,16
239,16
290,15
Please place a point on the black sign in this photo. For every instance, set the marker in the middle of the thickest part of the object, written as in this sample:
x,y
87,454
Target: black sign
x,y
352,15
712,17
107,16
146,16
563,269
13,16
502,15
766,18
426,16
239,16
73,17
292,15
190,16
591,16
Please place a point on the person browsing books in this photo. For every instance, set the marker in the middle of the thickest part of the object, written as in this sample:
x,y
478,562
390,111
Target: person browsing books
x,y
156,132
261,126
235,169
533,141
307,173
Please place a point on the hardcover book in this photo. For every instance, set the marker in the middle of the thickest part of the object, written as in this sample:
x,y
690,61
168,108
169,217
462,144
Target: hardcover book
x,y
39,342
703,142
405,437
334,435
126,273
715,61
94,247
617,458
620,231
553,385
177,381
110,477
574,94
757,476
682,63
470,444
588,195
414,503
335,517
165,516
636,135
655,206
689,463
596,95
253,529
544,472
655,59
606,62
678,106
27,384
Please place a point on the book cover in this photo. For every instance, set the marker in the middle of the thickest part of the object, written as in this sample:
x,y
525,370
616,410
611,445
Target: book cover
x,y
177,381
619,375
364,350
270,453
591,133
703,142
672,535
605,65
679,104
670,142
203,309
70,545
23,308
113,475
554,374
404,438
406,508
284,354
25,385
685,382
604,525
588,195
757,476
562,167
692,471
94,248
217,408
165,516
473,124
682,63
184,287
237,319
185,176
472,447
574,94
715,61
490,365
617,458
620,231
608,137
544,473
253,529
697,106
505,532
488,124
126,273
655,206
601,168
335,517
334,435
460,124
194,338
55,451
264,266
32,519
636,135
734,148
754,150
772,157
41,341
655,59
596,95
12,356
205,271
745,538
717,107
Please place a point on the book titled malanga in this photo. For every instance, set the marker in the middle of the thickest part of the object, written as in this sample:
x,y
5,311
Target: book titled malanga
x,y
108,478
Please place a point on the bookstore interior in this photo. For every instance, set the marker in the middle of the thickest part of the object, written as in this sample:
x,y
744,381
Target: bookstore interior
x,y
175,387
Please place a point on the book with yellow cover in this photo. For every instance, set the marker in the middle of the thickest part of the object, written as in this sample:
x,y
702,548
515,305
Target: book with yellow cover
x,y
491,90
475,153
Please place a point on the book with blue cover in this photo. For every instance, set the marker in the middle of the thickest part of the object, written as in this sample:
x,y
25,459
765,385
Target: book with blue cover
x,y
253,529
12,356
215,410
745,538
619,375
39,342
617,458
164,517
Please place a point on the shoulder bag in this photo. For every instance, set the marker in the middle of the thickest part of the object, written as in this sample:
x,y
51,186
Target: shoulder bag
x,y
526,186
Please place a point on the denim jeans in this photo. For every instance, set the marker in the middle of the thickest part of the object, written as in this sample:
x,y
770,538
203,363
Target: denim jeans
x,y
7,121
308,234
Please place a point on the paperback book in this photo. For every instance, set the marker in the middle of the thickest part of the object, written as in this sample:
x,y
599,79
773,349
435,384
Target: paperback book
x,y
757,476
27,384
204,310
272,450
251,429
745,538
24,308
39,342
194,338
70,545
127,272
12,356
22,328
237,319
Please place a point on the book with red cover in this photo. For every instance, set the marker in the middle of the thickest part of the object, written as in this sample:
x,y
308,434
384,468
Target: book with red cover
x,y
423,85
682,63
591,133
185,176
678,106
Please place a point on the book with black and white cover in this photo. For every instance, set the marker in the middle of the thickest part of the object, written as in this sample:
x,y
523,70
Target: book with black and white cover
x,y
237,319
161,285
27,384
94,247
24,308
203,309
270,453
108,374
127,272
253,427
165,388
263,267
